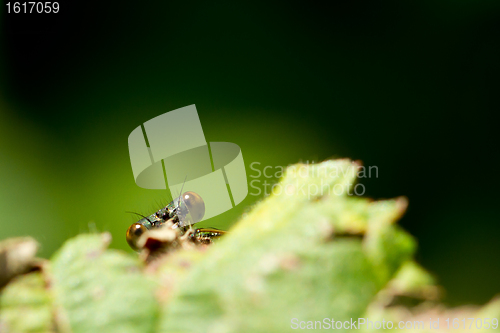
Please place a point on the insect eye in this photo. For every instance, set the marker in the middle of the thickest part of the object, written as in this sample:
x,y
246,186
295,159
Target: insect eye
x,y
134,232
195,205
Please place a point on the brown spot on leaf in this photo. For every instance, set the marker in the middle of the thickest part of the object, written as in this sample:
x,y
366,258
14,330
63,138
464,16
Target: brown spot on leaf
x,y
17,256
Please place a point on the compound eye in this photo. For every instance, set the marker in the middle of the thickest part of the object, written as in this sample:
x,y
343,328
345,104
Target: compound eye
x,y
195,205
134,232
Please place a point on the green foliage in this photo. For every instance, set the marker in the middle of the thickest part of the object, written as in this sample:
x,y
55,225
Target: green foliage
x,y
27,305
294,256
307,251
99,290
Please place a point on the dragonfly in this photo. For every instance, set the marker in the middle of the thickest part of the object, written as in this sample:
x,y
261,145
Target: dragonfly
x,y
181,213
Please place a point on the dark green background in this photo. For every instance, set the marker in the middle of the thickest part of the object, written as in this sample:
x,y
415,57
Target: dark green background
x,y
408,86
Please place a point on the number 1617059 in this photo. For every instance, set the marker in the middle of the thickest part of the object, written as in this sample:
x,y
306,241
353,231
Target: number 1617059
x,y
32,7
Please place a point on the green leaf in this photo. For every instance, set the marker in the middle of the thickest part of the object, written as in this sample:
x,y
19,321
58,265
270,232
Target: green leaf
x,y
308,253
26,305
101,291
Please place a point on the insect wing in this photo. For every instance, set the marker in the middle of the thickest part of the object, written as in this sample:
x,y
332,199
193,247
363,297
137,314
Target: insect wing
x,y
185,218
190,208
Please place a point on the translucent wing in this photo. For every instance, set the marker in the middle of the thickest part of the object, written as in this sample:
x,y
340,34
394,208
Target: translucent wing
x,y
190,208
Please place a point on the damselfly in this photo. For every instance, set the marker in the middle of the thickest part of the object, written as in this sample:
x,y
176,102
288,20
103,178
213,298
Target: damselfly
x,y
181,213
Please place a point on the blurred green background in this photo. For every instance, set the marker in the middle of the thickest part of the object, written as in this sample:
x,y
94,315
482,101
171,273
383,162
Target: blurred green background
x,y
410,87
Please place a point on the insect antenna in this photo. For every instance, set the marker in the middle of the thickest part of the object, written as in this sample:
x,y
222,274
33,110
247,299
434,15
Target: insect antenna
x,y
175,196
137,214
182,187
